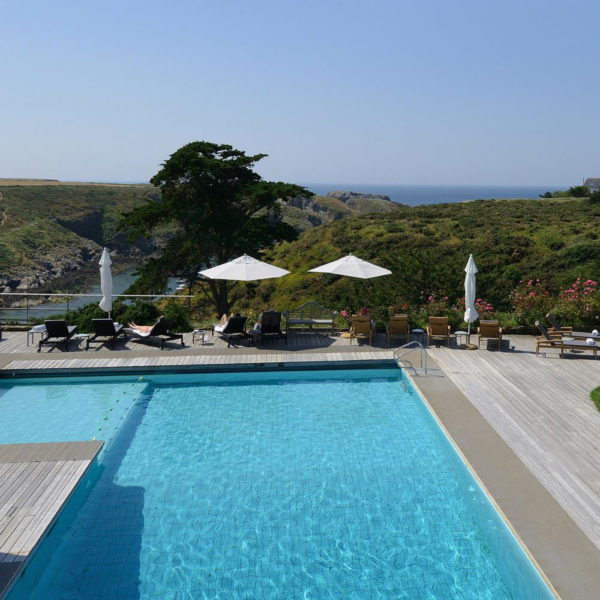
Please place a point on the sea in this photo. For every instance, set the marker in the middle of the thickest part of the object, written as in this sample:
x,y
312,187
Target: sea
x,y
415,195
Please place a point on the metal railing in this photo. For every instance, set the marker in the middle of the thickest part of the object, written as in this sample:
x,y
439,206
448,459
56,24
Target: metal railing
x,y
30,308
408,348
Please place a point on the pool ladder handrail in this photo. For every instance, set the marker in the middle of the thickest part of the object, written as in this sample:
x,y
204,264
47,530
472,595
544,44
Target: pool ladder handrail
x,y
408,348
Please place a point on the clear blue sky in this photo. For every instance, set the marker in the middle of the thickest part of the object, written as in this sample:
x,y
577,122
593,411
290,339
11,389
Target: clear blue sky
x,y
390,92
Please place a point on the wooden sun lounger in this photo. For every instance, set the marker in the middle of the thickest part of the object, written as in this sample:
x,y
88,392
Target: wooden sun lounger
x,y
557,341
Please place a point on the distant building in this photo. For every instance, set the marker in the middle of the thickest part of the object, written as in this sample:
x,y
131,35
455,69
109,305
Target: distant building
x,y
592,184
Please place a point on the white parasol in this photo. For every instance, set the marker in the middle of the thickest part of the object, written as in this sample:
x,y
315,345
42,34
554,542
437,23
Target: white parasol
x,y
352,266
244,268
106,284
470,312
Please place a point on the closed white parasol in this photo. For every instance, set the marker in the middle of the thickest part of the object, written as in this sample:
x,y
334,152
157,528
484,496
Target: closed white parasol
x,y
352,266
106,284
470,312
244,268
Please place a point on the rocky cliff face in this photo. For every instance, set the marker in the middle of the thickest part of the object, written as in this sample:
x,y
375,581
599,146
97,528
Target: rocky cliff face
x,y
63,261
52,236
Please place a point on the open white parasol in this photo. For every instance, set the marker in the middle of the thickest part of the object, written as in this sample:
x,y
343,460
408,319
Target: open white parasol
x,y
244,268
352,266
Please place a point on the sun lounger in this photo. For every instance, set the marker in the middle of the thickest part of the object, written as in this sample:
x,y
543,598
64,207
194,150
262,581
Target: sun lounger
x,y
57,332
160,332
558,341
362,327
568,331
235,328
107,329
438,330
397,326
490,330
271,326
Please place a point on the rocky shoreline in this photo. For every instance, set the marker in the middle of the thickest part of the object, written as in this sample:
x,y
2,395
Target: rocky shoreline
x,y
73,278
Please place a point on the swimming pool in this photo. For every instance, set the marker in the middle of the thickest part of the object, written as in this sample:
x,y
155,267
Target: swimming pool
x,y
313,484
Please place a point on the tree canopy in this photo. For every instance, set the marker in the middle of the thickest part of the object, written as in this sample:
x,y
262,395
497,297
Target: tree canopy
x,y
213,208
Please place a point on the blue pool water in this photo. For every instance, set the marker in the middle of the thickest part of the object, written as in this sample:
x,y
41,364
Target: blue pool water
x,y
330,484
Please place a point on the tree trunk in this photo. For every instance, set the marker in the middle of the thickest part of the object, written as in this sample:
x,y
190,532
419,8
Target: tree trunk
x,y
222,302
218,289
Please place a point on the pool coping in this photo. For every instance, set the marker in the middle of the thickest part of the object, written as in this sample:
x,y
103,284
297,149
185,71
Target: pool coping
x,y
565,557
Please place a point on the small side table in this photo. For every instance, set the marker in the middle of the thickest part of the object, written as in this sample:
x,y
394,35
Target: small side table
x,y
31,334
419,334
80,337
199,334
464,334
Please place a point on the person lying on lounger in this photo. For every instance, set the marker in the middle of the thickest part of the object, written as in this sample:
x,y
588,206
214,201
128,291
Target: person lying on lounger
x,y
221,324
143,328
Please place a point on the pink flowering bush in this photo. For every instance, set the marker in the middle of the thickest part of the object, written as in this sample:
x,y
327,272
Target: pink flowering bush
x,y
531,301
434,304
484,309
437,304
579,304
346,315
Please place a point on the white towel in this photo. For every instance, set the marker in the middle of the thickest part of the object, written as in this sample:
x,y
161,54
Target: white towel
x,y
595,333
590,342
220,328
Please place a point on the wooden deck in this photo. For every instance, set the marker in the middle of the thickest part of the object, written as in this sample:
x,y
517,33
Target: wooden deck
x,y
35,482
304,347
541,408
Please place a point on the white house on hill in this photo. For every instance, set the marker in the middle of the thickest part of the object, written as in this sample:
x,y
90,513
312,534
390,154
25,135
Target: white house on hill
x,y
592,184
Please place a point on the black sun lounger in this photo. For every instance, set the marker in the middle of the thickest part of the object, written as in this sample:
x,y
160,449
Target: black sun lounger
x,y
105,328
160,332
57,332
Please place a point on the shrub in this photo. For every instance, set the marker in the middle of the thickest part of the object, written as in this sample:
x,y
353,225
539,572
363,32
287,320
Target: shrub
x,y
578,191
437,304
177,313
579,304
142,313
531,301
484,309
83,316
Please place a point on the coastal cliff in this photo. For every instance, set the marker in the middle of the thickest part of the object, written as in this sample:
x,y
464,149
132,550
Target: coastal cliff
x,y
52,235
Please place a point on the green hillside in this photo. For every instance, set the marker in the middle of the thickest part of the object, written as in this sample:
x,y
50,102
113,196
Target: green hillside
x,y
305,213
427,247
49,230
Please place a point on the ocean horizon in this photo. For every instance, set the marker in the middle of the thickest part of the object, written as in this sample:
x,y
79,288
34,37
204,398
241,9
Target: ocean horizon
x,y
418,194
415,195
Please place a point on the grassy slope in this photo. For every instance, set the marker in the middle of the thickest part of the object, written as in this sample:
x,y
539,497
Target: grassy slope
x,y
323,209
36,219
426,247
